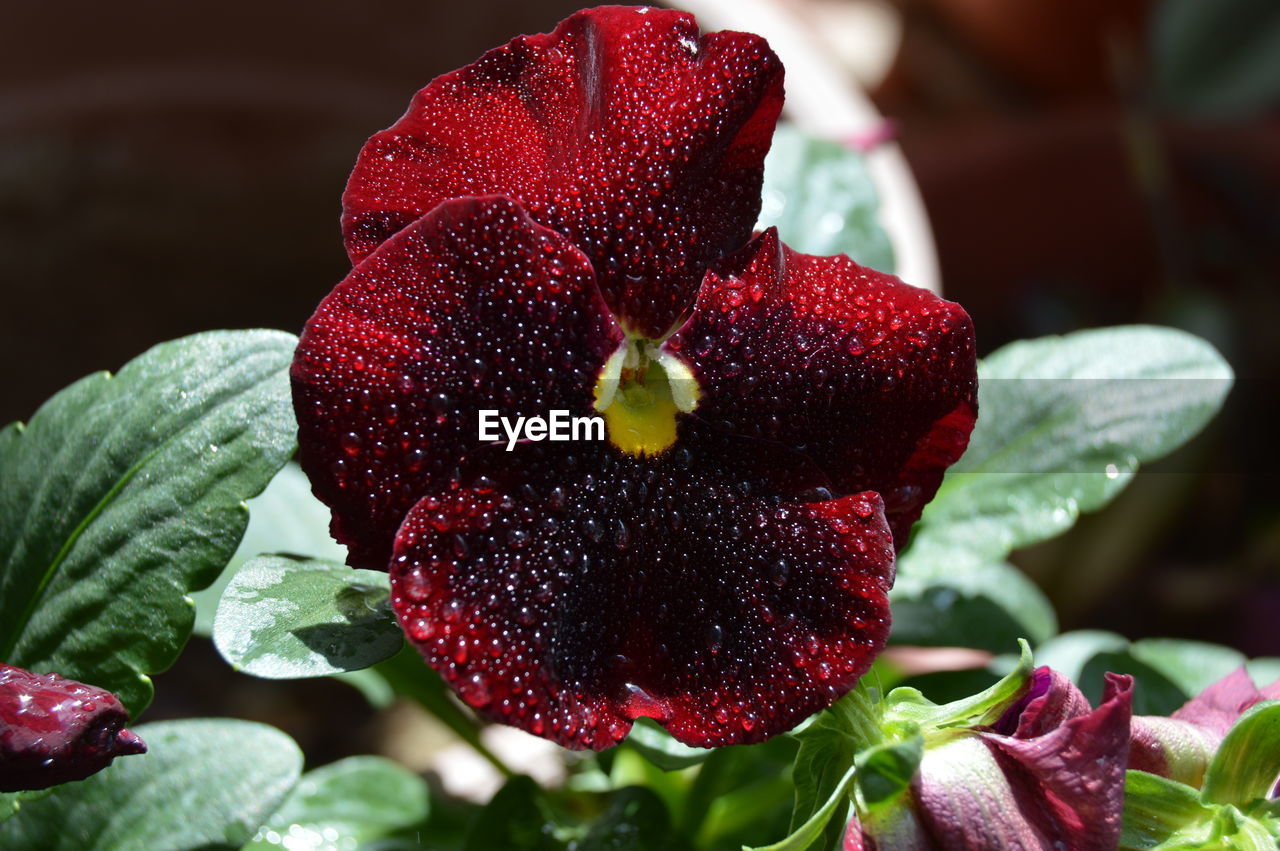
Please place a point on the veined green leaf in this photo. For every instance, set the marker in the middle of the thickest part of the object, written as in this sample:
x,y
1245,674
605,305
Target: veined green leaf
x,y
205,783
346,804
124,493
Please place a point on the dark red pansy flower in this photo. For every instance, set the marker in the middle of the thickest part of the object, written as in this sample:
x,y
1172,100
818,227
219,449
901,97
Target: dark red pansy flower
x,y
567,225
54,730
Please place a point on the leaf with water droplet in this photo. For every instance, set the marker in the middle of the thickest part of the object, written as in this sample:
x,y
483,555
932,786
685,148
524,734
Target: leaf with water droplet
x,y
286,618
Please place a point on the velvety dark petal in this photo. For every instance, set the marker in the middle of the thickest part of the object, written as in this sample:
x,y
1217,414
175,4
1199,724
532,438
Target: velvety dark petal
x,y
624,129
872,379
54,730
571,588
472,307
1072,779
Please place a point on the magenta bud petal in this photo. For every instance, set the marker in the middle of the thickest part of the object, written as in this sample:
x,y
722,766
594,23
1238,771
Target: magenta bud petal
x,y
54,730
1218,706
1049,773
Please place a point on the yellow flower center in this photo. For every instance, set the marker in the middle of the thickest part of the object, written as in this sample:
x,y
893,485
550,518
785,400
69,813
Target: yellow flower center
x,y
640,391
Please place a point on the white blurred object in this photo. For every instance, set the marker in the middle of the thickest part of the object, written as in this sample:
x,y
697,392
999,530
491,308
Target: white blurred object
x,y
467,775
823,97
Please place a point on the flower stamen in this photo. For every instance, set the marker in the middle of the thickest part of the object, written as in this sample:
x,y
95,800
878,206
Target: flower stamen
x,y
640,390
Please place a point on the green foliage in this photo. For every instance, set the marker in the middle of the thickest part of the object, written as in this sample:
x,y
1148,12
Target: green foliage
x,y
347,803
1233,810
1064,422
1168,672
520,816
1218,58
821,198
1154,807
202,784
284,518
1248,760
123,493
285,618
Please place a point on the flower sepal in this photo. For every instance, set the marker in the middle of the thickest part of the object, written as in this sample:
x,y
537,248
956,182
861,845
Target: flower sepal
x,y
1164,815
1226,742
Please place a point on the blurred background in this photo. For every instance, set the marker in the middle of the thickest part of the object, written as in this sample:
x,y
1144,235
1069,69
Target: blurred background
x,y
168,168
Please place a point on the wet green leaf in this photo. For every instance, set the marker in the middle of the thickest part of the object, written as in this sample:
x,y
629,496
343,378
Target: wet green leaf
x,y
124,493
205,783
285,618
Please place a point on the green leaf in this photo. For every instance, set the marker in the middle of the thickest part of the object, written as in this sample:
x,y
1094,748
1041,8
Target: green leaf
x,y
1264,671
1192,666
1217,58
1156,808
1248,760
658,747
829,747
947,596
822,199
817,825
1169,672
346,804
125,492
206,783
11,802
909,705
885,770
1064,423
635,819
283,618
514,818
284,518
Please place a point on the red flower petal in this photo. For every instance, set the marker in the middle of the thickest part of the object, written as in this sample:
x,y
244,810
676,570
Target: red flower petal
x,y
623,129
54,730
473,306
572,590
873,380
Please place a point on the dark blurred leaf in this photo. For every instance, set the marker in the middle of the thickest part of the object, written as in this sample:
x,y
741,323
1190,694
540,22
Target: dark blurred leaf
x,y
346,804
205,783
636,820
1217,58
286,618
514,819
125,492
945,596
822,199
